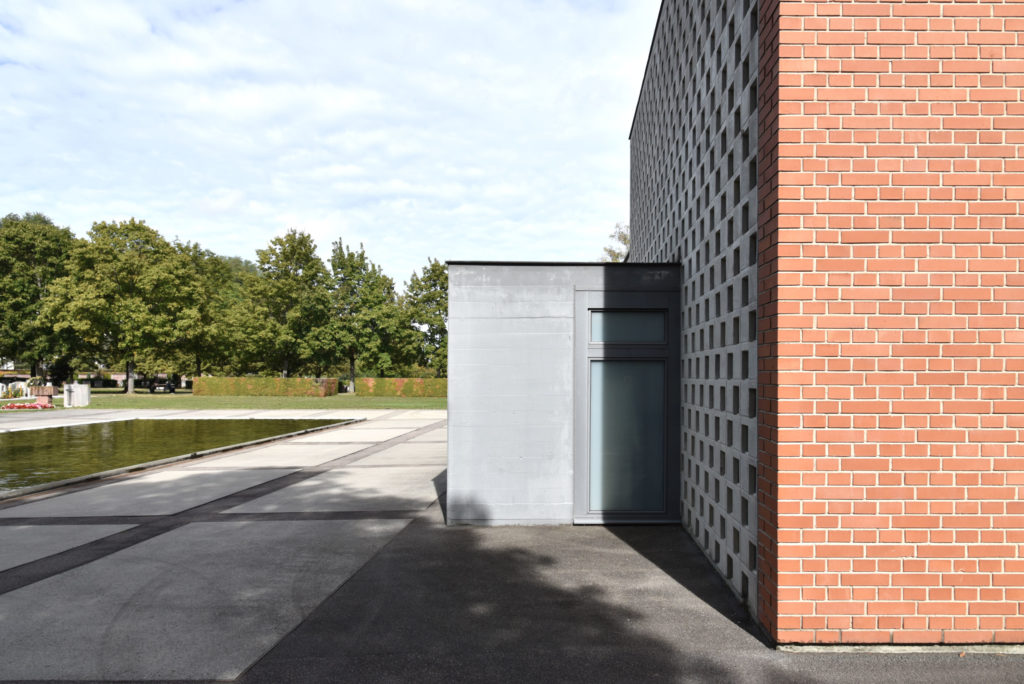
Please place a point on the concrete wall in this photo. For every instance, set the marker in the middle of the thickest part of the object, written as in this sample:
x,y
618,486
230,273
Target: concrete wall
x,y
510,385
510,394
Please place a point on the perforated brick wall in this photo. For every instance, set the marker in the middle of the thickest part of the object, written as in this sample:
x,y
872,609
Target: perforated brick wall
x,y
694,201
892,355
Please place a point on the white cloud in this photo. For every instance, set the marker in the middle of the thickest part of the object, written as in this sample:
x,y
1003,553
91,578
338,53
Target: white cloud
x,y
455,129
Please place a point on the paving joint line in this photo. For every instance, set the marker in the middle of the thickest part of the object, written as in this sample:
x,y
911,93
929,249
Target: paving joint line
x,y
211,511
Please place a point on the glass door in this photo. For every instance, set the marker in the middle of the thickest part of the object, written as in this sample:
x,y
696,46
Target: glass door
x,y
627,436
627,412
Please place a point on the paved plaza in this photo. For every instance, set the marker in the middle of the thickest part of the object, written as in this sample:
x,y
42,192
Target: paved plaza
x,y
325,558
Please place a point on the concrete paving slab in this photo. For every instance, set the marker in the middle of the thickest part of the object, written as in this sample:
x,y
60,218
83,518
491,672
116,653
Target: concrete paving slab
x,y
21,544
288,414
21,420
201,602
47,419
211,414
429,414
53,420
279,455
368,414
407,454
390,424
146,413
320,414
157,493
440,435
353,489
349,435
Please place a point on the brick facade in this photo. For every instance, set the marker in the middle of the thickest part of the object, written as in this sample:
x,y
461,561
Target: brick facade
x,y
890,183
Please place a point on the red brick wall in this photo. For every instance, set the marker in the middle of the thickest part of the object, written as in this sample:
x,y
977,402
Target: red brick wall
x,y
892,351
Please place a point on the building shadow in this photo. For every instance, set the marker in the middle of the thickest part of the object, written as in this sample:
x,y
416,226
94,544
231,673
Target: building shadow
x,y
671,549
441,487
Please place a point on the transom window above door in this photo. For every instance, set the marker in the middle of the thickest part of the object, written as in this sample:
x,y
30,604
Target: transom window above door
x,y
628,327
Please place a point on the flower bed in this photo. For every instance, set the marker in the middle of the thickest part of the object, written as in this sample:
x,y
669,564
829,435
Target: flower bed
x,y
9,407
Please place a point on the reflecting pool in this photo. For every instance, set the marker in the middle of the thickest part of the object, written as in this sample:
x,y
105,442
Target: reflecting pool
x,y
32,457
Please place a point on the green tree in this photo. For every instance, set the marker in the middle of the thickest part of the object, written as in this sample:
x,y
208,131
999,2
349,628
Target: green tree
x,y
619,249
243,326
292,295
373,327
120,294
238,266
427,300
33,253
200,336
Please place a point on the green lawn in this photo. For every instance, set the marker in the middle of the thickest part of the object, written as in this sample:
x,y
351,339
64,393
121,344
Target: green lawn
x,y
104,399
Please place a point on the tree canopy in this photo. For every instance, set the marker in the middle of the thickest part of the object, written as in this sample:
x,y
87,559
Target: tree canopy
x,y
427,301
125,297
33,254
291,293
120,293
373,327
619,249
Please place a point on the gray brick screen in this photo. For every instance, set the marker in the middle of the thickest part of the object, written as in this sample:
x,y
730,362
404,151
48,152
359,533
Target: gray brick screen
x,y
693,200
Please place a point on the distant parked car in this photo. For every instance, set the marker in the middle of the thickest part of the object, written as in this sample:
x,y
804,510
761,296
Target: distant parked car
x,y
161,385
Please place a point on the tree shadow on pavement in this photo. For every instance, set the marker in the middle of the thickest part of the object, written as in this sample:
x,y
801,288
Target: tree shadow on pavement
x,y
495,604
556,603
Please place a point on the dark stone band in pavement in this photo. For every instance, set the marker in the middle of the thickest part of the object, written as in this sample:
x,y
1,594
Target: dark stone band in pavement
x,y
79,520
219,517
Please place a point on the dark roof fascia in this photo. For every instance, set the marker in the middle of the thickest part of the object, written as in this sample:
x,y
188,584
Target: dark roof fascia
x,y
650,53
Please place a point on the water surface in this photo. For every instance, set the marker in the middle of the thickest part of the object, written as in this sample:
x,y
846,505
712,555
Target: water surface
x,y
32,457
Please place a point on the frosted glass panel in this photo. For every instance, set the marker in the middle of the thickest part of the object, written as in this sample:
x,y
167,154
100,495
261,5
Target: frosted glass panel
x,y
627,435
623,327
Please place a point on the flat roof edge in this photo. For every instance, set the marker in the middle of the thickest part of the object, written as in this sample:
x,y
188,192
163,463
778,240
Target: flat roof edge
x,y
564,263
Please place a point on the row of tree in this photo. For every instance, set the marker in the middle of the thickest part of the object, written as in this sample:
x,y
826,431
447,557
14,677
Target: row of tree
x,y
126,297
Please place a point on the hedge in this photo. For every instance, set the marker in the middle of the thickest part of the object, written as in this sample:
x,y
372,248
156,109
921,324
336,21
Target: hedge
x,y
402,387
255,386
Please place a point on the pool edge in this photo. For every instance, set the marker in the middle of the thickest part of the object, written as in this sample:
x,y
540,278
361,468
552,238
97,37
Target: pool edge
x,y
105,474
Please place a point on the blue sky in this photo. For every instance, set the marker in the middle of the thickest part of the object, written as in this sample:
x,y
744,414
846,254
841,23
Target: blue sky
x,y
452,129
